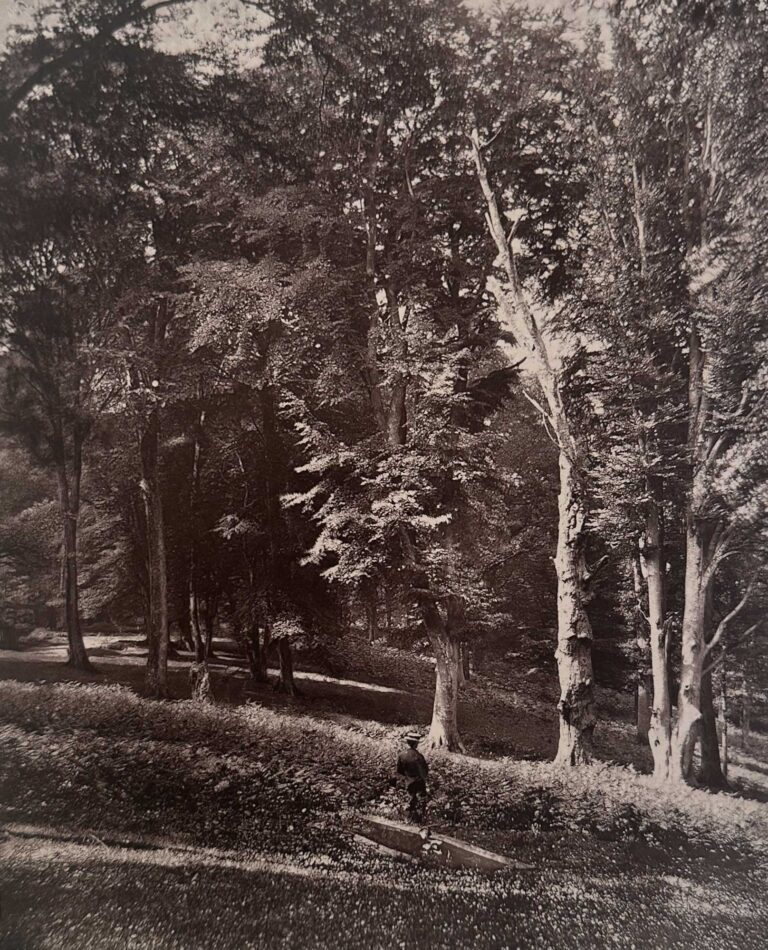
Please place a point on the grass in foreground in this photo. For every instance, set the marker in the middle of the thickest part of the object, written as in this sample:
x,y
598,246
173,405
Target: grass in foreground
x,y
619,863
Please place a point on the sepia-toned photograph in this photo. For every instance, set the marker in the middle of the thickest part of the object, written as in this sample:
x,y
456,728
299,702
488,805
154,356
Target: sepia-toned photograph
x,y
383,474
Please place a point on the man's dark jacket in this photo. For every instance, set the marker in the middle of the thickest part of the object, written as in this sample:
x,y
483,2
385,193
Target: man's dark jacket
x,y
412,765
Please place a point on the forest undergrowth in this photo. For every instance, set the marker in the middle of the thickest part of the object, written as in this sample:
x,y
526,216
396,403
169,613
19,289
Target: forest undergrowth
x,y
268,799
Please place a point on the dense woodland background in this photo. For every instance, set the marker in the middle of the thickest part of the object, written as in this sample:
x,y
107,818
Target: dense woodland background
x,y
445,325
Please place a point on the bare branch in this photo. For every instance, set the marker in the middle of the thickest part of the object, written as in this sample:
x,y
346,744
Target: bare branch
x,y
747,633
549,427
729,617
720,552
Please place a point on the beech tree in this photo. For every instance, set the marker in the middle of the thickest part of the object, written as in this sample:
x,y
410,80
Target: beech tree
x,y
634,285
531,227
675,185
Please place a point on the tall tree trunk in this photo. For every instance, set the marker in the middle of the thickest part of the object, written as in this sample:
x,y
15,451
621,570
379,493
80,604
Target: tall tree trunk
x,y
195,620
388,608
697,580
256,659
157,656
652,561
643,702
285,682
746,722
209,619
372,613
722,716
69,506
185,626
200,673
688,724
444,729
147,609
574,632
466,661
711,772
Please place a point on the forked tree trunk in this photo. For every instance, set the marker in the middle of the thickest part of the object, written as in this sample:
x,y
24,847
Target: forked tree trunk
x,y
157,656
574,632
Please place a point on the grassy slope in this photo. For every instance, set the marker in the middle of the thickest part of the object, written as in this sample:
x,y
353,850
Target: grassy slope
x,y
619,863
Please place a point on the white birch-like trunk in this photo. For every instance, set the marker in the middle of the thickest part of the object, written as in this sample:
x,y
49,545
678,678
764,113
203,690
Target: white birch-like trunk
x,y
687,725
574,632
660,729
697,577
722,716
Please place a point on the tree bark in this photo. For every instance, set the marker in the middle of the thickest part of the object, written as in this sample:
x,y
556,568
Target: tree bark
x,y
372,613
688,725
746,722
652,564
574,632
722,716
195,621
643,701
444,729
185,627
209,619
200,672
711,773
157,657
69,506
466,662
256,659
698,573
286,682
388,608
202,690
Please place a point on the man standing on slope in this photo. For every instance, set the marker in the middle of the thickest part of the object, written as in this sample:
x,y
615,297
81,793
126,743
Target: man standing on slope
x,y
412,765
